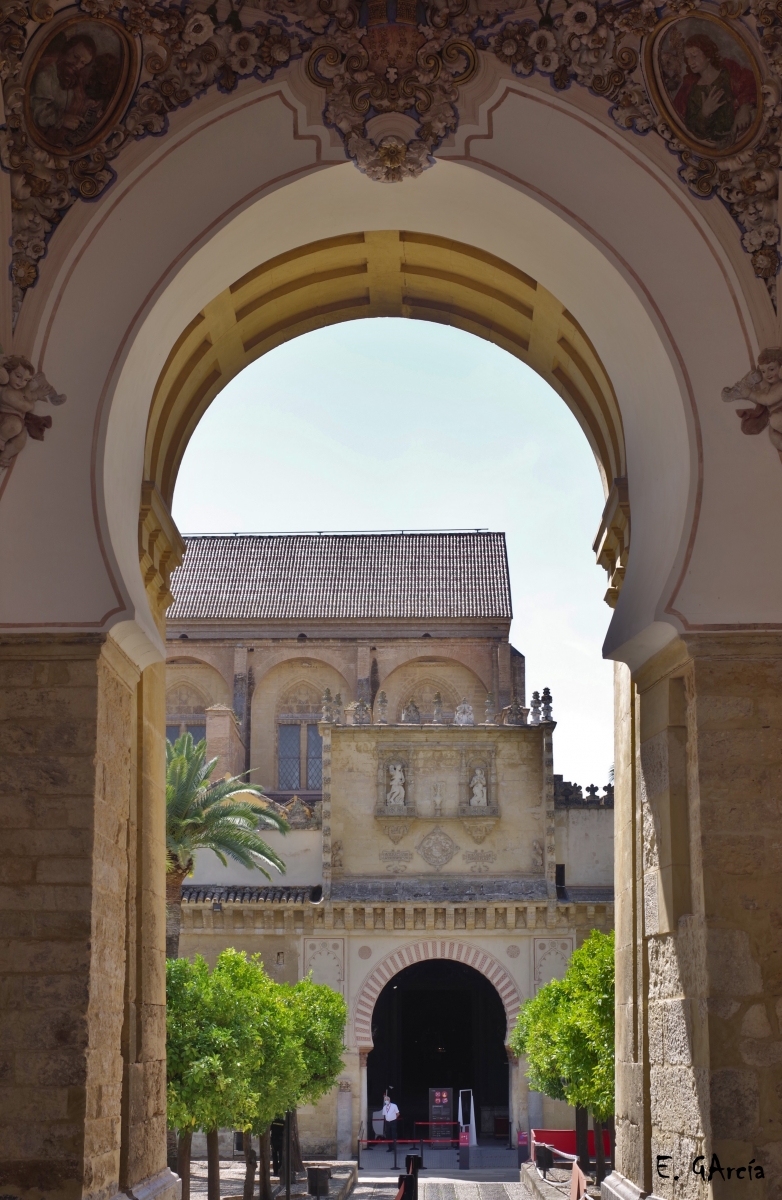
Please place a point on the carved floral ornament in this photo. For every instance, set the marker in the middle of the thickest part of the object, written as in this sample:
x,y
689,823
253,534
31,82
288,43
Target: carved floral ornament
x,y
82,81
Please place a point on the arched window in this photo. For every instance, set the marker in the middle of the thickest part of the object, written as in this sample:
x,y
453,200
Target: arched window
x,y
299,744
185,713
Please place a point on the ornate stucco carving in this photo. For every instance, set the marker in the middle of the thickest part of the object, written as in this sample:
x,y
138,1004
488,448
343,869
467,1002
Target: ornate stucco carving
x,y
394,828
437,848
160,548
479,828
612,544
392,88
21,388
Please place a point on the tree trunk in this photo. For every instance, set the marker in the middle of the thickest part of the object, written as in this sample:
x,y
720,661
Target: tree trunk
x,y
250,1164
582,1139
264,1166
212,1165
600,1154
174,881
611,1127
183,1161
297,1162
171,1149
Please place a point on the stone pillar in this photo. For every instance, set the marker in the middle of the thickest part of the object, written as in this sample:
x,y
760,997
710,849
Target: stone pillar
x,y
223,741
79,986
142,1158
365,1118
345,1147
699,897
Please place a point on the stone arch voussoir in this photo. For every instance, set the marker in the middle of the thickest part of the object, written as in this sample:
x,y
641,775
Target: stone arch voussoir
x,y
429,950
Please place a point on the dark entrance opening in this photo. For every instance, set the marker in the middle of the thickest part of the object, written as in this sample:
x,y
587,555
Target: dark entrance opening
x,y
438,1024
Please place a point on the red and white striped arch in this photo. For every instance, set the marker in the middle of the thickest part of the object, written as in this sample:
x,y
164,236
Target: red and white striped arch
x,y
427,951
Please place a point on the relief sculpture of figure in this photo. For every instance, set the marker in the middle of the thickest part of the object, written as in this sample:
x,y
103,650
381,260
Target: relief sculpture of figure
x,y
478,785
396,793
20,390
464,714
763,388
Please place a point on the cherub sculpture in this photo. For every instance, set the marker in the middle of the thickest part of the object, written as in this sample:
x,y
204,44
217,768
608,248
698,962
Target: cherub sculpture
x,y
763,387
396,793
478,786
20,390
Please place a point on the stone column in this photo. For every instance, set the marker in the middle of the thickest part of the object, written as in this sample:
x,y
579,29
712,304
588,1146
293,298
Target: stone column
x,y
74,797
699,897
365,1118
345,1147
142,1159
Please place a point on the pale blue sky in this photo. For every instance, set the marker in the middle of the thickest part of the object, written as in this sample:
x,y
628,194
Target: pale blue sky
x,y
395,424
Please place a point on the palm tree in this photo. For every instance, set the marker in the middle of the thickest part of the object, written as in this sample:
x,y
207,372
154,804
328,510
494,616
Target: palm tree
x,y
206,815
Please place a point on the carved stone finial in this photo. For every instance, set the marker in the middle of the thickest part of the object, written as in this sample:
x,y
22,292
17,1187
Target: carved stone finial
x,y
327,710
464,714
437,714
515,714
382,708
339,715
546,716
411,714
489,710
361,714
534,716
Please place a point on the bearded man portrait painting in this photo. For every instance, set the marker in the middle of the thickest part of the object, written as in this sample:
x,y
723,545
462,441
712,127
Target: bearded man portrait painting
x,y
79,83
707,82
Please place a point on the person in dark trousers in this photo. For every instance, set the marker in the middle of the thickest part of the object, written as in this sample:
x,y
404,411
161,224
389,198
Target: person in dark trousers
x,y
390,1114
276,1136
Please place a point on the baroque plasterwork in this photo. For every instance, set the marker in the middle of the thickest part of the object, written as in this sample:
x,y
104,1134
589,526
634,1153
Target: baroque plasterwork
x,y
391,76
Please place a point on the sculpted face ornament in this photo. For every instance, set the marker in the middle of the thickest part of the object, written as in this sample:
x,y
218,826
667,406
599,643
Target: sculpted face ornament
x,y
21,388
762,388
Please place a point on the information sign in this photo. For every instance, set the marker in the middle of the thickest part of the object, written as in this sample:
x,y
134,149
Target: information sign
x,y
440,1107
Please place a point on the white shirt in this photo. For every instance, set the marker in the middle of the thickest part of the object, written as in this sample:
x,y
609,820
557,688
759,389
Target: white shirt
x,y
390,1111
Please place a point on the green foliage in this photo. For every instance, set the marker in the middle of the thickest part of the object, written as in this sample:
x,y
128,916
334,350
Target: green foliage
x,y
206,815
242,1048
208,1049
567,1031
319,1016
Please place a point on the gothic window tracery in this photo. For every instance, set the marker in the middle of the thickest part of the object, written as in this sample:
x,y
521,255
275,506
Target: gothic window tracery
x,y
299,744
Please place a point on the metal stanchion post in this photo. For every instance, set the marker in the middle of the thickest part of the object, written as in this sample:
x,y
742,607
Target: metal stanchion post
x,y
421,1150
395,1167
288,1156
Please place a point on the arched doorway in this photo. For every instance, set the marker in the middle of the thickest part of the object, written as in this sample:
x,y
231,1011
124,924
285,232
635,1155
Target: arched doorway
x,y
439,1024
663,292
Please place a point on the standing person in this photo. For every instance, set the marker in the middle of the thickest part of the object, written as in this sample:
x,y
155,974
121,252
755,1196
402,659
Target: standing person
x,y
277,1133
390,1114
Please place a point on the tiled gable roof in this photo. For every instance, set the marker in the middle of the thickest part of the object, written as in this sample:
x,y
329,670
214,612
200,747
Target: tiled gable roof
x,y
342,576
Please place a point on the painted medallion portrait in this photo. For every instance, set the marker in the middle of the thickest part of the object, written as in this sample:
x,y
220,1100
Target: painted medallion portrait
x,y
78,84
706,81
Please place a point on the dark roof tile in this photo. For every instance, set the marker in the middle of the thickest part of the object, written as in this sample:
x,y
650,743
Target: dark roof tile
x,y
342,577
207,893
